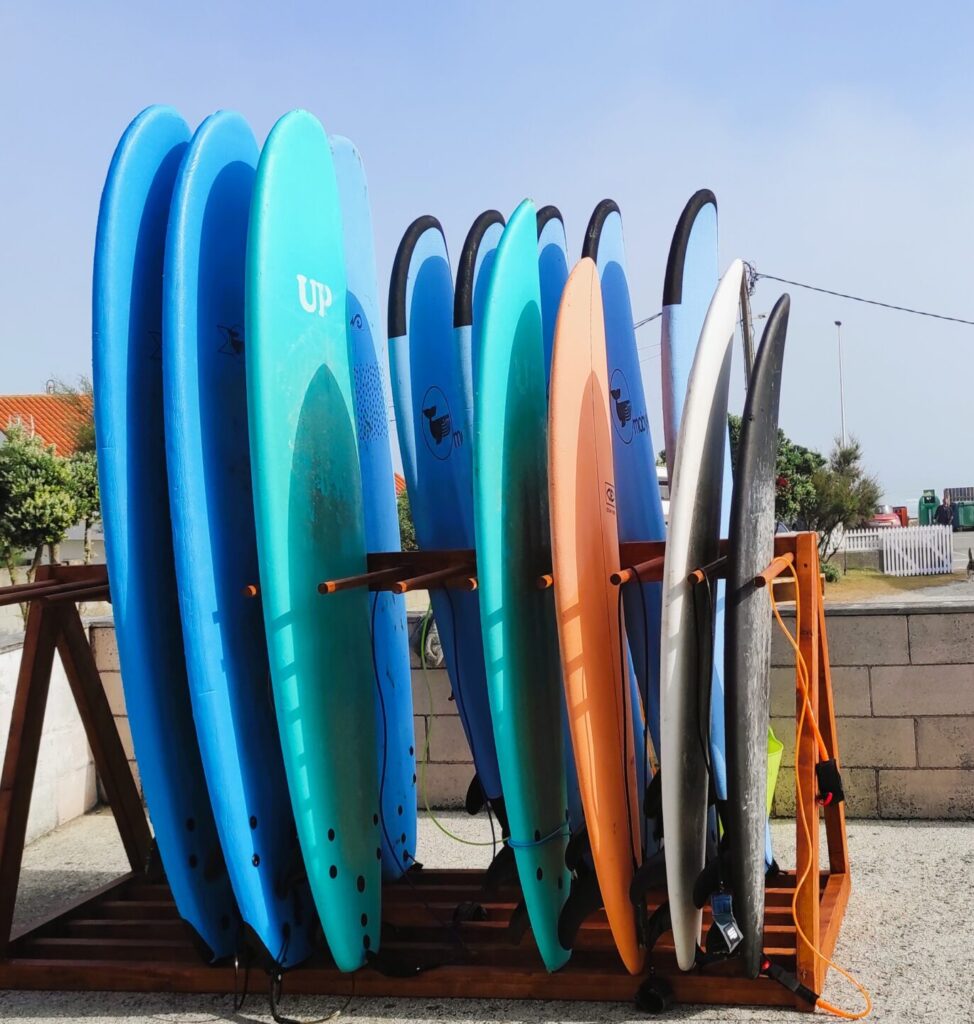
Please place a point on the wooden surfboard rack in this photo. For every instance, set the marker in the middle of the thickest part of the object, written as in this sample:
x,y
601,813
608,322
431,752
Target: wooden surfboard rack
x,y
127,936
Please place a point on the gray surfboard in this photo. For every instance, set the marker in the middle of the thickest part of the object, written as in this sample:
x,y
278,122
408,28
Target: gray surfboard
x,y
747,654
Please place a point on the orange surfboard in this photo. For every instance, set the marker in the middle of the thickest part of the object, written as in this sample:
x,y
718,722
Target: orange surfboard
x,y
585,551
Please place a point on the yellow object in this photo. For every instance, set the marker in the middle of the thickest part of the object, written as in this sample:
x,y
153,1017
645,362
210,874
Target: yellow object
x,y
775,750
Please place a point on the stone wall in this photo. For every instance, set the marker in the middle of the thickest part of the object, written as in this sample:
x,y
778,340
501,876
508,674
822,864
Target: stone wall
x,y
65,782
903,677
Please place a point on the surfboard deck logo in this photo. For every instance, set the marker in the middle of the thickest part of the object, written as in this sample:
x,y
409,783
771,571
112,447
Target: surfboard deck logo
x,y
438,432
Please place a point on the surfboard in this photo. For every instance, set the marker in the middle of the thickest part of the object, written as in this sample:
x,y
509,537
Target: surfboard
x,y
473,276
310,525
552,273
687,630
387,612
585,552
127,378
748,654
435,438
638,500
691,276
513,550
205,400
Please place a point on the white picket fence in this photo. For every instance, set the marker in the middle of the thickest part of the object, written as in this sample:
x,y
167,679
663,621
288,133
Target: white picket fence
x,y
917,550
861,540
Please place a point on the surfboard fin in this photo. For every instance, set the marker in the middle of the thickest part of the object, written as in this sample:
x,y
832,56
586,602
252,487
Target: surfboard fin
x,y
651,874
519,923
583,900
578,852
475,800
501,871
657,926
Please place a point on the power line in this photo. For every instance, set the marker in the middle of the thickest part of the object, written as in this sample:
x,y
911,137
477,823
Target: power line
x,y
858,298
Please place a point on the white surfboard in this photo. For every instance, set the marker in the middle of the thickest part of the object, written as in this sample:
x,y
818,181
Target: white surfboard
x,y
694,533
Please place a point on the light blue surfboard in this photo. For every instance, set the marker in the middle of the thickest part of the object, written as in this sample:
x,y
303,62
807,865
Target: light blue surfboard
x,y
205,399
127,362
390,639
435,438
638,501
310,523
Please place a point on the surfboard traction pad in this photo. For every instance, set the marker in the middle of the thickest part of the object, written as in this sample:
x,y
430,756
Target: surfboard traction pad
x,y
133,928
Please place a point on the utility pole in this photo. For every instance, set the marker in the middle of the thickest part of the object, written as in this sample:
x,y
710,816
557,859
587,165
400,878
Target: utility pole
x,y
838,334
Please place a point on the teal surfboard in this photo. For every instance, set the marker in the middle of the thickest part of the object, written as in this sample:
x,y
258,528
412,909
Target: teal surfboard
x,y
387,612
208,457
513,549
310,525
127,365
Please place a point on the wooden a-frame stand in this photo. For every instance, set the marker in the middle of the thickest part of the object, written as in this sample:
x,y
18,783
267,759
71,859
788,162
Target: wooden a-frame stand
x,y
128,936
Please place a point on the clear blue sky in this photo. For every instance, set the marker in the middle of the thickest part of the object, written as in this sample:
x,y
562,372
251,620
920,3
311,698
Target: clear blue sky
x,y
838,138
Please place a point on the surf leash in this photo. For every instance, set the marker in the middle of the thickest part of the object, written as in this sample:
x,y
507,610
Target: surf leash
x,y
427,620
772,970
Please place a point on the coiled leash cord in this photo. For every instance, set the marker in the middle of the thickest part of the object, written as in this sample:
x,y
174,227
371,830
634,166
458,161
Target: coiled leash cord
x,y
807,713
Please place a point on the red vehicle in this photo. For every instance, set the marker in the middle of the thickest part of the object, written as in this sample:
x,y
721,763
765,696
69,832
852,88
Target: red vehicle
x,y
884,516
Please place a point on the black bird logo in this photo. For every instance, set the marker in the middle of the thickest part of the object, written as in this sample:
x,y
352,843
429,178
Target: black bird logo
x,y
233,343
623,409
439,425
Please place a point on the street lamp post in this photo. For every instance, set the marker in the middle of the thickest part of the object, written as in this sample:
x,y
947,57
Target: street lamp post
x,y
838,333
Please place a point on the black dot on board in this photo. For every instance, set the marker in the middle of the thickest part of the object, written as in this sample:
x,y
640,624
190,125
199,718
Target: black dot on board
x,y
366,941
411,751
540,874
360,883
375,819
399,810
253,822
365,920
414,778
402,838
333,871
378,853
331,835
405,855
255,860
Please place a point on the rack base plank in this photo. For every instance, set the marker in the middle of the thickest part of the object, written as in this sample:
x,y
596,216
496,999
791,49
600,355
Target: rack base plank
x,y
129,938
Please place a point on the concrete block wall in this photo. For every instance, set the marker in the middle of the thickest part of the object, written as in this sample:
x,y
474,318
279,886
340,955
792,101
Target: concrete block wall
x,y
903,679
65,781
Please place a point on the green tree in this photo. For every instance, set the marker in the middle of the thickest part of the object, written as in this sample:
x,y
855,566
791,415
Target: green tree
x,y
795,468
37,501
845,496
407,531
83,471
81,398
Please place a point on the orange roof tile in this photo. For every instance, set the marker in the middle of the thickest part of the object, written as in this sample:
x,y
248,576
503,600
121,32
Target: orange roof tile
x,y
53,418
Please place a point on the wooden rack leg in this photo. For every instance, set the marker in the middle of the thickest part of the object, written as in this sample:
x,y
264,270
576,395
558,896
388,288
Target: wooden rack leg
x,y
20,760
106,747
808,906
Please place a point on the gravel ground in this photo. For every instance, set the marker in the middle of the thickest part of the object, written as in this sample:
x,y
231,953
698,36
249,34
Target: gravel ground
x,y
912,892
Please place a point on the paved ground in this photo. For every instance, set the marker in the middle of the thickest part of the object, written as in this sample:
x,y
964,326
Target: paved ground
x,y
912,903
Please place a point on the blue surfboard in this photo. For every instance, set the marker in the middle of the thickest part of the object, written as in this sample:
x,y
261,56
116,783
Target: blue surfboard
x,y
435,435
390,640
638,501
473,276
205,399
127,363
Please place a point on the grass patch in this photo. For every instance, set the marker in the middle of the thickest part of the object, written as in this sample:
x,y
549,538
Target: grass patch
x,y
862,584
